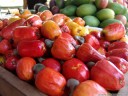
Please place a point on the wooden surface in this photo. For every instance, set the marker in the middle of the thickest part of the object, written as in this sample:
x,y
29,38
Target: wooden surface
x,y
10,85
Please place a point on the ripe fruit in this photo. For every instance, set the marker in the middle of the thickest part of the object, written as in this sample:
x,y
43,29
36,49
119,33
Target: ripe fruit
x,y
46,15
25,33
31,48
50,30
79,21
87,53
50,82
89,88
52,63
76,69
110,77
24,68
114,31
11,63
62,49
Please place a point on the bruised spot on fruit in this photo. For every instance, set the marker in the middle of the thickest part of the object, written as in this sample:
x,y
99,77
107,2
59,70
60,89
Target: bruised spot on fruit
x,y
77,66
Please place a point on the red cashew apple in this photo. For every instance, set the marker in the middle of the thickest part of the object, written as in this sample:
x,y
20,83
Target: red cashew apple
x,y
107,75
31,48
52,63
34,20
92,40
24,68
117,45
50,30
119,62
69,38
114,31
75,68
87,53
5,45
1,24
122,52
7,32
62,49
25,33
90,88
11,63
50,82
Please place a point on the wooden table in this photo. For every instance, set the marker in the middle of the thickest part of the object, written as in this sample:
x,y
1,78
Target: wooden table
x,y
10,85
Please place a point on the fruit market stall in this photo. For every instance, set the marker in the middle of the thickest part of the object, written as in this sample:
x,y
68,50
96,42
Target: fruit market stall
x,y
10,85
65,48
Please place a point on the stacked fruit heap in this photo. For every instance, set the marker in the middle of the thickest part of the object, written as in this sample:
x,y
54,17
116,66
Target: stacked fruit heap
x,y
61,56
96,13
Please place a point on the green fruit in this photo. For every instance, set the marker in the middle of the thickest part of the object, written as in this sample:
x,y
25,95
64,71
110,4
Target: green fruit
x,y
69,10
126,15
110,1
80,2
117,8
86,9
104,14
59,3
108,21
68,2
91,21
42,8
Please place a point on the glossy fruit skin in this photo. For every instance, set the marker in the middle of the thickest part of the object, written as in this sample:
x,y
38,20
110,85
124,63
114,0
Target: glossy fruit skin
x,y
11,63
7,32
1,25
75,68
50,30
79,21
69,38
52,63
92,40
62,49
64,29
46,15
89,88
32,48
107,75
122,52
97,34
50,82
117,45
24,68
114,31
34,20
25,33
119,62
87,53
104,43
5,45
60,19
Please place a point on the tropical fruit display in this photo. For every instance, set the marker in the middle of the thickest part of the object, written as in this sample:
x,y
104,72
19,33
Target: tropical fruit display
x,y
99,9
80,49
